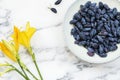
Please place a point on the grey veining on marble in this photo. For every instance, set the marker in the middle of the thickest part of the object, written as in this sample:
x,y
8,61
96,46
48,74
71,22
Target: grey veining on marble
x,y
4,21
56,62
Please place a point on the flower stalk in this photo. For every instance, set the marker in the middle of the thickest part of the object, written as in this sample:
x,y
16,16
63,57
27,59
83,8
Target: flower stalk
x,y
35,62
22,68
10,69
6,71
32,74
19,72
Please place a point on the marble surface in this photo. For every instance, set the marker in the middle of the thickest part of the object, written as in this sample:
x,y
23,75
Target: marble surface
x,y
56,62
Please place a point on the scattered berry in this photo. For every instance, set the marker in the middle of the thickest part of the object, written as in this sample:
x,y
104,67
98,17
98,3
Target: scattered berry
x,y
58,2
53,10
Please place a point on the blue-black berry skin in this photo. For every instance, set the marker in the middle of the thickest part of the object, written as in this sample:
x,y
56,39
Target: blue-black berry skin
x,y
118,31
106,16
73,21
114,11
92,19
53,10
90,50
118,16
83,21
90,54
79,25
77,16
102,55
96,27
106,6
101,5
58,2
91,12
107,28
103,11
118,41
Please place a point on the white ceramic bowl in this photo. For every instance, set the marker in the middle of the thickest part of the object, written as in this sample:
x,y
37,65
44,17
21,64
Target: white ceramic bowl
x,y
80,51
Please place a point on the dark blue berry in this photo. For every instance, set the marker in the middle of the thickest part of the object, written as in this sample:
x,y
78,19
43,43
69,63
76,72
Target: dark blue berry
x,y
103,11
58,2
76,42
90,12
86,29
92,19
103,19
116,23
103,55
82,43
91,49
82,35
106,16
87,25
101,5
93,4
77,37
100,39
118,31
114,11
111,15
73,21
73,31
106,6
118,41
93,33
107,28
99,27
88,4
79,25
83,21
90,54
112,39
53,10
113,48
77,16
94,45
118,16
95,40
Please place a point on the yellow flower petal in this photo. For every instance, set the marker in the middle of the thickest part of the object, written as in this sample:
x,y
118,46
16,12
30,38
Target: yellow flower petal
x,y
6,51
24,39
29,30
16,37
26,35
10,47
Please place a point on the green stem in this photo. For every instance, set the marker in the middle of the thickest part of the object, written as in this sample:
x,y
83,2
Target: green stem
x,y
35,63
19,72
23,66
22,69
38,69
32,74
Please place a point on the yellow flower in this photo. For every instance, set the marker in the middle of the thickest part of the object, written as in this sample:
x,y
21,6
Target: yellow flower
x,y
23,37
16,37
26,35
9,50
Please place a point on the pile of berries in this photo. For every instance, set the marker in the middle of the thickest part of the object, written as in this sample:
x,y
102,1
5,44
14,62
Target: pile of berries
x,y
97,28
